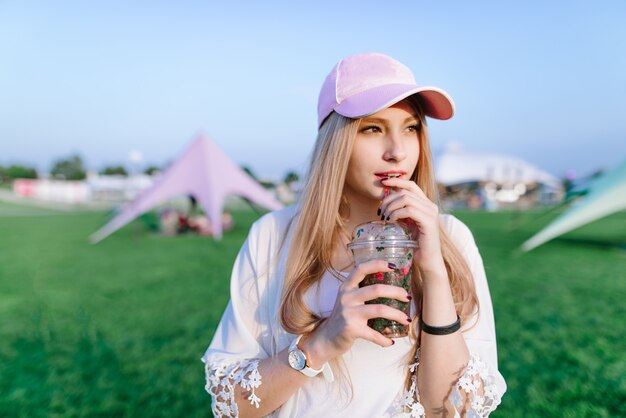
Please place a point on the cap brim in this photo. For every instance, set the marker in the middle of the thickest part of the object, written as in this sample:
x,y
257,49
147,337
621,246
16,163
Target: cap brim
x,y
437,103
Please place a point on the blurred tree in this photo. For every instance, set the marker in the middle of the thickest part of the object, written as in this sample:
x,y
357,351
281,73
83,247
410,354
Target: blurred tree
x,y
568,184
266,184
114,170
152,170
291,176
71,168
249,171
17,171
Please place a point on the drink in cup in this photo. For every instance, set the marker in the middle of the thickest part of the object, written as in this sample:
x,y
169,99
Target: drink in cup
x,y
389,241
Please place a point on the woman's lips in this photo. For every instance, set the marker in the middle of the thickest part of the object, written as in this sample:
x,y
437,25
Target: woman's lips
x,y
390,174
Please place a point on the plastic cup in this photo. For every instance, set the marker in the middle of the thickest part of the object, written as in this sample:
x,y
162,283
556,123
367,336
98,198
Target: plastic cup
x,y
389,241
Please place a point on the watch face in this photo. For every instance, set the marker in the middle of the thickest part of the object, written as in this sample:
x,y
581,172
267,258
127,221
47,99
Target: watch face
x,y
297,360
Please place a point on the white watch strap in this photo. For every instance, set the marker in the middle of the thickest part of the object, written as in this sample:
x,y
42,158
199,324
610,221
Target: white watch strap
x,y
310,372
307,371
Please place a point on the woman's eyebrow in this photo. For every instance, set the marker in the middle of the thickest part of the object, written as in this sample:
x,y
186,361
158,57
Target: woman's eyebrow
x,y
384,121
411,119
373,120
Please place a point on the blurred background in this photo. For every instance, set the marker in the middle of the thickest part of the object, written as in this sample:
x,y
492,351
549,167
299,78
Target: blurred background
x,y
108,109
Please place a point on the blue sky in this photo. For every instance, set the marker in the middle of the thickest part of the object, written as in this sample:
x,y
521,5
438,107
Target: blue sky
x,y
544,81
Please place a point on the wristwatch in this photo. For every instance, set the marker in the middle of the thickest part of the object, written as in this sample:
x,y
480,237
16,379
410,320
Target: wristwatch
x,y
297,360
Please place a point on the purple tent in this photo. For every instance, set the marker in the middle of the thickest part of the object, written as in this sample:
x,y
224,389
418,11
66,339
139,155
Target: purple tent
x,y
203,171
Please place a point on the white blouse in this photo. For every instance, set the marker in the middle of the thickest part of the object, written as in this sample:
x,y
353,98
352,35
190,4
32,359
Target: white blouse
x,y
250,331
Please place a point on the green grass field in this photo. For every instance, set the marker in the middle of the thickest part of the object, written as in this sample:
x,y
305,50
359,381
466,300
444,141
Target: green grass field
x,y
117,329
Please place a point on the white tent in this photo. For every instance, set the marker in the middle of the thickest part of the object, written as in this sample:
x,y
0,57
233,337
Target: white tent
x,y
203,171
606,195
456,166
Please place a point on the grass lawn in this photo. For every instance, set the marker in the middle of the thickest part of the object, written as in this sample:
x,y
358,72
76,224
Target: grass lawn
x,y
117,329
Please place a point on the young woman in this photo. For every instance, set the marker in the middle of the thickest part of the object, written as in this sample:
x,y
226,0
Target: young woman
x,y
294,339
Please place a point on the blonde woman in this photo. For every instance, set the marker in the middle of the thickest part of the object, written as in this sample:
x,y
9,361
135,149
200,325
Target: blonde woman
x,y
294,339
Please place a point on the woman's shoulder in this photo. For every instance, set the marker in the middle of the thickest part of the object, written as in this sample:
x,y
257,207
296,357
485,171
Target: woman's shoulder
x,y
278,219
273,224
458,232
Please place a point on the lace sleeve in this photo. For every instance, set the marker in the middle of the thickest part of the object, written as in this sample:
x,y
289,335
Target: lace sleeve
x,y
476,391
475,394
221,378
231,361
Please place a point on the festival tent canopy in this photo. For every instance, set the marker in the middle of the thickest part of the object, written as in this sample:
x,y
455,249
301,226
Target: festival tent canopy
x,y
456,166
204,172
606,195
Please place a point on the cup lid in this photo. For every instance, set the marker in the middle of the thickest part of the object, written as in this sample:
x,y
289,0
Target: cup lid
x,y
382,233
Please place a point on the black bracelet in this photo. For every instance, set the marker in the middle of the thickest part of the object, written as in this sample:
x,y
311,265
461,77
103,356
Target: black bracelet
x,y
448,329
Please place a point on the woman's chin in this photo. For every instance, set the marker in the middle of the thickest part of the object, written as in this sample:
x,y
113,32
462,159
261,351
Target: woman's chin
x,y
373,194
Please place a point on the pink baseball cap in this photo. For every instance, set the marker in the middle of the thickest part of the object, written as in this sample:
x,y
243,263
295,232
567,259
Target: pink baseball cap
x,y
363,84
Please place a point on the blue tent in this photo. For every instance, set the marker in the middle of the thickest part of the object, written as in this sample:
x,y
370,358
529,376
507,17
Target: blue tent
x,y
605,195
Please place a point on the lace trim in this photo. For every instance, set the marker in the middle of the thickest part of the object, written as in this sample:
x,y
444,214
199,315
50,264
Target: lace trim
x,y
409,405
475,379
221,376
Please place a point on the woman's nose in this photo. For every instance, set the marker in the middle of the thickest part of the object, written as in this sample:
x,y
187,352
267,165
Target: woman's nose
x,y
395,150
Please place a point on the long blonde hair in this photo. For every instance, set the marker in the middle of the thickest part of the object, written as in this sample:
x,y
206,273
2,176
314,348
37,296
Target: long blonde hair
x,y
318,220
322,215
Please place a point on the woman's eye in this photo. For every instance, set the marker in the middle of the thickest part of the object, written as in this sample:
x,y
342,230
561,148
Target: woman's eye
x,y
414,128
371,129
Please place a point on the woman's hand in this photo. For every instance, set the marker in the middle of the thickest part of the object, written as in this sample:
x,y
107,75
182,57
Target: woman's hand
x,y
348,320
408,203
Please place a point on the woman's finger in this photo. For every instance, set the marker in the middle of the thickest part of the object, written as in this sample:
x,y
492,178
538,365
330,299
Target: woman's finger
x,y
397,201
403,190
402,184
363,269
378,310
376,291
419,216
376,337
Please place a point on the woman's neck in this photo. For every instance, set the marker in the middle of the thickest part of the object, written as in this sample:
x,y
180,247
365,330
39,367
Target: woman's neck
x,y
362,209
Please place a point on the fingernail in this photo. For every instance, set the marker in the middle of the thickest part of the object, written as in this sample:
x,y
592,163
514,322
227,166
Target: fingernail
x,y
392,266
378,213
409,297
382,218
408,319
393,342
388,216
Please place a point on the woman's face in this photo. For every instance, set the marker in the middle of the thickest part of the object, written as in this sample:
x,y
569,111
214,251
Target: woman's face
x,y
386,144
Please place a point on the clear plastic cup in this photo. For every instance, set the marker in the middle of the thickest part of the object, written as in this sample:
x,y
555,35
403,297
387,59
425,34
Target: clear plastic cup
x,y
389,241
